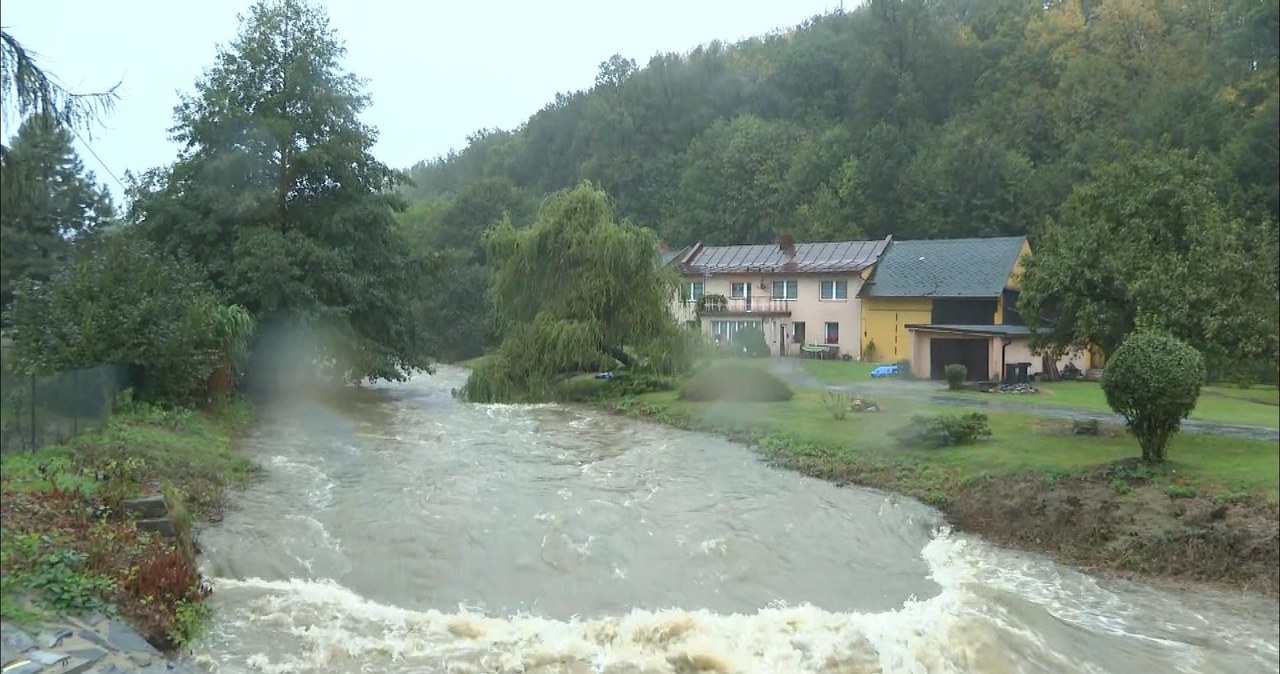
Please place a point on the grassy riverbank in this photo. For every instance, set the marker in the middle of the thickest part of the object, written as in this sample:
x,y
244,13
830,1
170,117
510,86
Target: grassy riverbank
x,y
1210,515
1254,406
66,546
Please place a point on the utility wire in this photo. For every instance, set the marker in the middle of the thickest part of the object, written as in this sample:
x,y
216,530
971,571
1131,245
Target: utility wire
x,y
95,156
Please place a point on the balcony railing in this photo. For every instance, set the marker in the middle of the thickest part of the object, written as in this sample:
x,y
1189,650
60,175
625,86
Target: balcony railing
x,y
766,306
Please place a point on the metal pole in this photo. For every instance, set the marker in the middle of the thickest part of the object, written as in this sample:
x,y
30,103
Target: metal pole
x,y
33,413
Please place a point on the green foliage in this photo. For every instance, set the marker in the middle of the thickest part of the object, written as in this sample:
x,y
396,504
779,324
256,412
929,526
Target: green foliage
x,y
570,293
48,202
945,430
190,620
904,369
734,382
637,383
277,198
1153,381
749,341
61,578
956,375
125,303
583,388
28,89
837,403
1181,491
1163,252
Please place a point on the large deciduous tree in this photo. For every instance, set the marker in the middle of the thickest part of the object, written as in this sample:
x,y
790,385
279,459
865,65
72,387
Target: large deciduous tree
x,y
575,291
48,201
1146,243
276,195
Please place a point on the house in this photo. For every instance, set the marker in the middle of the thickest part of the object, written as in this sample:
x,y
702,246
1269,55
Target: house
x,y
797,294
939,302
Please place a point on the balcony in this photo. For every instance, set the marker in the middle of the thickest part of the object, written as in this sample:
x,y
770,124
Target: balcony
x,y
718,306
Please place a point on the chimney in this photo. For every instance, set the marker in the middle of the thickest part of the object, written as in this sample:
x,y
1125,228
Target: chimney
x,y
787,244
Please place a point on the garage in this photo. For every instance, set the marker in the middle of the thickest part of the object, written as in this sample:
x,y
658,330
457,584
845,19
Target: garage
x,y
974,354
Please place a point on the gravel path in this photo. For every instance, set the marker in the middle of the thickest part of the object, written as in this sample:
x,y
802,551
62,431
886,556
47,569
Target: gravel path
x,y
89,645
792,371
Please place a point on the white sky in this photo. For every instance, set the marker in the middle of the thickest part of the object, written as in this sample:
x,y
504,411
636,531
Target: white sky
x,y
436,71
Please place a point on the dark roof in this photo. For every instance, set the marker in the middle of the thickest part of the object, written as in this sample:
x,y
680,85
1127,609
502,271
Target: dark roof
x,y
836,256
669,256
945,268
998,330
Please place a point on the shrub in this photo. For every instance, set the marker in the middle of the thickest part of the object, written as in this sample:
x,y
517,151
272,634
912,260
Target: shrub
x,y
945,430
837,404
632,383
749,341
125,302
583,388
956,375
904,369
1153,381
730,381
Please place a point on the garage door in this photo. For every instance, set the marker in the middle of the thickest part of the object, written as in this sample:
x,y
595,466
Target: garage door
x,y
974,354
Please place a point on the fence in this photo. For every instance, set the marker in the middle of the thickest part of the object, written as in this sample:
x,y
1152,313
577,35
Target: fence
x,y
40,411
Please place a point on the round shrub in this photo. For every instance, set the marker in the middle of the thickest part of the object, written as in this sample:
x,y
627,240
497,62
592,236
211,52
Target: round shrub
x,y
904,369
729,381
1153,381
749,341
956,374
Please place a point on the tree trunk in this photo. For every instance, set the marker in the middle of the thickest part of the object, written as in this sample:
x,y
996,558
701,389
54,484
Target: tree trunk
x,y
620,355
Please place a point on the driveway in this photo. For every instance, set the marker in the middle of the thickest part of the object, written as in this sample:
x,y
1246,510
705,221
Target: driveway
x,y
792,371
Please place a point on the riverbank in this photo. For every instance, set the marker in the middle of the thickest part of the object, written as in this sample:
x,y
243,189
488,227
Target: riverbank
x,y
1210,516
70,547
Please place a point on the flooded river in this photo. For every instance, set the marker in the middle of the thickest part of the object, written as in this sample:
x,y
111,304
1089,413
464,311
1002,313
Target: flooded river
x,y
414,533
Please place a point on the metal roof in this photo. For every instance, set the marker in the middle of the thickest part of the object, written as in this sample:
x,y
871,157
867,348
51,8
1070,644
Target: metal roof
x,y
945,268
809,258
998,330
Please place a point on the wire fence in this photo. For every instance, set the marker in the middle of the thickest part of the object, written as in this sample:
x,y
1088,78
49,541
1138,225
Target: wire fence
x,y
39,411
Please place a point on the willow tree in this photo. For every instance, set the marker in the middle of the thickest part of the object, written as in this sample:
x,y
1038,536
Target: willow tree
x,y
575,292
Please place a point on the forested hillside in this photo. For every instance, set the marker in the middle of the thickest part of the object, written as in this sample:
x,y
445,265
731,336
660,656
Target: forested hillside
x,y
917,118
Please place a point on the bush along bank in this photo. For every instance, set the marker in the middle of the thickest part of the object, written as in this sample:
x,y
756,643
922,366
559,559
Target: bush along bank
x,y
1116,517
103,525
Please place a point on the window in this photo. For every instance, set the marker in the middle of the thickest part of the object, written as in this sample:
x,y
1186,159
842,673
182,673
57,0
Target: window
x,y
833,333
835,290
786,290
739,291
696,291
724,331
797,332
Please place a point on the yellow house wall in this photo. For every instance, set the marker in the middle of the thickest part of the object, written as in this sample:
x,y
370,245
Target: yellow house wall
x,y
883,321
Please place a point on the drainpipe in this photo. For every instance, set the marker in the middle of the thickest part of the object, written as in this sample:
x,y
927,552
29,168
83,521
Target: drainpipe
x,y
1003,350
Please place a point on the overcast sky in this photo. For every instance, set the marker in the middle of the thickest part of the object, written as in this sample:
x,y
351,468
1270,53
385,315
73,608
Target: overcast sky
x,y
437,71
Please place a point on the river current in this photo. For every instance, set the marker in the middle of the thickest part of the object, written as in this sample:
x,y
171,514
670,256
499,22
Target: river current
x,y
410,532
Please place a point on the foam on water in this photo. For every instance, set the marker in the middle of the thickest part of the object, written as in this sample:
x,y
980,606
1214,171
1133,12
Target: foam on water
x,y
330,628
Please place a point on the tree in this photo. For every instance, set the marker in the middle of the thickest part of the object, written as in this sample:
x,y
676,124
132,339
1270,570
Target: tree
x,y
48,201
1147,240
1153,381
733,188
476,208
277,197
26,87
576,291
122,302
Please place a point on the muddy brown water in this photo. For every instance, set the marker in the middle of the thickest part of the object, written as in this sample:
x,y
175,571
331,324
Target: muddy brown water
x,y
411,532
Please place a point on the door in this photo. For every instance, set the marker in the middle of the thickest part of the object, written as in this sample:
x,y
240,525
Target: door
x,y
797,329
973,354
742,291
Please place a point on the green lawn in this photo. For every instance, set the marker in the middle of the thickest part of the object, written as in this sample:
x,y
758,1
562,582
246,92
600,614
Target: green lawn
x,y
1256,406
1020,443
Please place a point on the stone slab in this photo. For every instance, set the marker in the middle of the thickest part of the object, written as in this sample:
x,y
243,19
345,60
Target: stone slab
x,y
122,638
158,525
16,639
25,667
53,638
47,658
149,507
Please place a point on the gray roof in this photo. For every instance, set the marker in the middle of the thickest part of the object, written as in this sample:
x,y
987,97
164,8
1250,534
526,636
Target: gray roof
x,y
669,256
836,256
1003,330
945,268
